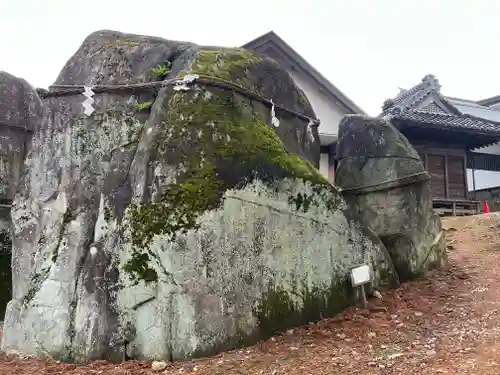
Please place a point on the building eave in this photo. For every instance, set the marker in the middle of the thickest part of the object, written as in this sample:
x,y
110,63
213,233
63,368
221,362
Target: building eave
x,y
489,101
314,75
472,130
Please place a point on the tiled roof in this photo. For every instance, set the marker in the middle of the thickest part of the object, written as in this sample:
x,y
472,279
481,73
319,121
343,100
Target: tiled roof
x,y
407,99
463,114
464,122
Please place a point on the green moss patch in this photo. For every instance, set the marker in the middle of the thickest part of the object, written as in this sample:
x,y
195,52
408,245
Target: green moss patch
x,y
227,64
144,106
320,196
129,43
221,143
281,309
162,70
35,283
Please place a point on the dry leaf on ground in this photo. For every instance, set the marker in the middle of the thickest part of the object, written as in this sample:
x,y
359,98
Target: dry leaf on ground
x,y
446,324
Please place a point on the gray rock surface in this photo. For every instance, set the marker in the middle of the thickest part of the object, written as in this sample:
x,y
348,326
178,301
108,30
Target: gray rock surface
x,y
385,182
175,223
20,114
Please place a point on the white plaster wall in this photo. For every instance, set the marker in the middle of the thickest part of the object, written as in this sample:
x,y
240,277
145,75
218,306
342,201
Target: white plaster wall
x,y
323,165
328,112
484,179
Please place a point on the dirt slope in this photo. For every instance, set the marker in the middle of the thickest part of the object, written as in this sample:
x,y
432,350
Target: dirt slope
x,y
448,324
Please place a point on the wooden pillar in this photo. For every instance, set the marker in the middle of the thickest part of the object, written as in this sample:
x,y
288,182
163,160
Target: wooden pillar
x,y
474,183
474,175
466,185
446,187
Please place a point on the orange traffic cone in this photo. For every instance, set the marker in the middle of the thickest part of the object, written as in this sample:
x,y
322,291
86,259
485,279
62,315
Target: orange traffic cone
x,y
486,208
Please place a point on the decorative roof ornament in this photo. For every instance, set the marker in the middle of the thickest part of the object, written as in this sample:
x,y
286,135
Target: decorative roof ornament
x,y
432,81
395,111
388,103
392,112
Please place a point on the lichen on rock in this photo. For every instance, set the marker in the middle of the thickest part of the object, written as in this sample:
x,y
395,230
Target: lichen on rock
x,y
384,180
229,147
175,223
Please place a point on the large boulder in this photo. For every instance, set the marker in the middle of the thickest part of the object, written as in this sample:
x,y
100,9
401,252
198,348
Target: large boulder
x,y
385,182
176,221
20,114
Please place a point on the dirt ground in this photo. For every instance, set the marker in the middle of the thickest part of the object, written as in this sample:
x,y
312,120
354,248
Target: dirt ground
x,y
447,324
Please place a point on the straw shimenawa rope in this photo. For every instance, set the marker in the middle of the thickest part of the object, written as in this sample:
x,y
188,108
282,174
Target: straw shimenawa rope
x,y
66,90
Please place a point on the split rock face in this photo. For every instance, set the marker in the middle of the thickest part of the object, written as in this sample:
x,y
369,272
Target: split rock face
x,y
173,223
20,115
385,182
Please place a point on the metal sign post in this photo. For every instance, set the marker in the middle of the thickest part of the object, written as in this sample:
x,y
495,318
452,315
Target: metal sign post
x,y
359,277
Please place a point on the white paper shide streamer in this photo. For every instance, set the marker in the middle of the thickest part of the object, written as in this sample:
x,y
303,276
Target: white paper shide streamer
x,y
310,134
87,104
274,120
182,85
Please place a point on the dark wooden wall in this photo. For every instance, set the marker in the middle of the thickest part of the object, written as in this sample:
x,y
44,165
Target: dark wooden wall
x,y
485,162
445,158
446,165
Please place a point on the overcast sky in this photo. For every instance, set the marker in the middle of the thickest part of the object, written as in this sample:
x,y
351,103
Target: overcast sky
x,y
366,48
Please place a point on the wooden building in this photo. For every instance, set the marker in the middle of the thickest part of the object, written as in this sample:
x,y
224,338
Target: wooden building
x,y
445,136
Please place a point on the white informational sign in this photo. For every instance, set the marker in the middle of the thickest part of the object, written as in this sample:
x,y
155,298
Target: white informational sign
x,y
360,275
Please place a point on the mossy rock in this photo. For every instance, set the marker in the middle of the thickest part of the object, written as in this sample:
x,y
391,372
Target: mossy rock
x,y
222,140
372,152
281,309
194,191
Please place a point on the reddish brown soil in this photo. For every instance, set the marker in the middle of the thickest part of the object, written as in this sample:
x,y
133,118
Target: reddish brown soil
x,y
447,324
